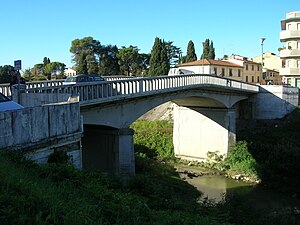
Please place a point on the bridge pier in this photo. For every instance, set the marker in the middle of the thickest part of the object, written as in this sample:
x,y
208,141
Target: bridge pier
x,y
108,150
200,130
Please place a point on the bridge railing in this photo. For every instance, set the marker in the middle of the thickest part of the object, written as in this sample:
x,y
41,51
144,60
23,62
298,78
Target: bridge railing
x,y
5,88
142,86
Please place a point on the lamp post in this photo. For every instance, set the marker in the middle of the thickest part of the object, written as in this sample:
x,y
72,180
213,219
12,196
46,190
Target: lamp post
x,y
262,55
203,43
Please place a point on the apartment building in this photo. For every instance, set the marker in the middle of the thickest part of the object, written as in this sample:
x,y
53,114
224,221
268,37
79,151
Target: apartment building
x,y
290,53
210,66
271,67
252,71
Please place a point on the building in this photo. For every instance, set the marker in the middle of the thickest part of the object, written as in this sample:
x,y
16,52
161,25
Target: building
x,y
290,53
271,67
251,73
209,66
70,72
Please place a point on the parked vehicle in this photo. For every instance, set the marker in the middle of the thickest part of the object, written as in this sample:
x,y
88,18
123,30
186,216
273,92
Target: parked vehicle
x,y
7,104
82,78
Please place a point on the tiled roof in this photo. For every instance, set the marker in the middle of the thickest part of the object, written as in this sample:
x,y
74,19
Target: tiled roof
x,y
209,62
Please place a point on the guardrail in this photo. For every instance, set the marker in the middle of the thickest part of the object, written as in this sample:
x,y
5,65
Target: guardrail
x,y
102,91
5,88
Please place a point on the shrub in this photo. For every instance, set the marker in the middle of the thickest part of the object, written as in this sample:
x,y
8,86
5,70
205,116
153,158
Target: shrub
x,y
240,160
58,157
154,138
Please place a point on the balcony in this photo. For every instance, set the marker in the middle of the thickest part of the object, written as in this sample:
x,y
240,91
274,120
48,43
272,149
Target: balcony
x,y
289,71
289,34
290,53
291,15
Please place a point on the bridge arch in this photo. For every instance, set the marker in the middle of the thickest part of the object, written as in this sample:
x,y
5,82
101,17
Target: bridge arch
x,y
121,114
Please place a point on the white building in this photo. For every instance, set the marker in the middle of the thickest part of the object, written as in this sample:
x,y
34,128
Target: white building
x,y
70,72
290,53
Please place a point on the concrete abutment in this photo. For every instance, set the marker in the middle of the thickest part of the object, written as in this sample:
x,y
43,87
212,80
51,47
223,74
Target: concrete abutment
x,y
198,131
109,150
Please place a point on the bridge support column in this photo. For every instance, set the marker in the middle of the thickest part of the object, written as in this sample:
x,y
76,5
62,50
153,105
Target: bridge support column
x,y
200,130
125,164
108,150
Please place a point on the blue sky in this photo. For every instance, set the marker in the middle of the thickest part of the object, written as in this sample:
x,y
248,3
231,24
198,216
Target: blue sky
x,y
34,29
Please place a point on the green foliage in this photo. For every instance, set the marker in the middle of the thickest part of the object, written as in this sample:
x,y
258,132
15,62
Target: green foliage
x,y
208,50
85,52
59,194
191,54
128,60
240,160
174,53
154,138
58,157
108,61
159,61
276,149
6,73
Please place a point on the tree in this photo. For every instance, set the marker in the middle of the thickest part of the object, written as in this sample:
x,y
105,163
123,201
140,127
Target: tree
x,y
128,60
191,54
46,61
174,53
144,60
211,53
108,61
159,61
86,53
208,50
6,73
55,68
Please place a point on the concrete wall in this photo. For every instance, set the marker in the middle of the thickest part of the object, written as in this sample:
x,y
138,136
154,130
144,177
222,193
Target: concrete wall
x,y
108,150
37,99
275,101
198,131
41,130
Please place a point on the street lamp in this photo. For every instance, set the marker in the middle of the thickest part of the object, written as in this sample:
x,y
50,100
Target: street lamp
x,y
203,43
262,55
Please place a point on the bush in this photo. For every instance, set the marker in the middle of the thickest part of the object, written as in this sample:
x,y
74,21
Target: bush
x,y
154,138
240,160
58,157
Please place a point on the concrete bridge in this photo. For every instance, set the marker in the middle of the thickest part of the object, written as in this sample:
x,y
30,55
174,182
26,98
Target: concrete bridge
x,y
205,112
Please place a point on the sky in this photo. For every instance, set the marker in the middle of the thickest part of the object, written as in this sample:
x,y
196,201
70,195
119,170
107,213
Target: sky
x,y
34,29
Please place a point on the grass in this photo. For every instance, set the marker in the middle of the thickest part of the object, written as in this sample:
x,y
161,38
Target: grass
x,y
57,193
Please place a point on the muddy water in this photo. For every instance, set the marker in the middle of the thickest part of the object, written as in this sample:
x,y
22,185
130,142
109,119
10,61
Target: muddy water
x,y
215,187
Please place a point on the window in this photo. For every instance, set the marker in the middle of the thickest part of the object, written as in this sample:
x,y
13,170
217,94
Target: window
x,y
298,26
230,72
287,63
239,72
252,79
297,82
247,67
246,78
298,63
298,45
223,71
257,79
252,67
216,70
289,27
257,68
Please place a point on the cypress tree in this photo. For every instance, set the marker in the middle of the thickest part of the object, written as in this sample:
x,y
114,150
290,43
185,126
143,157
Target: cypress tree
x,y
159,62
208,50
211,54
191,54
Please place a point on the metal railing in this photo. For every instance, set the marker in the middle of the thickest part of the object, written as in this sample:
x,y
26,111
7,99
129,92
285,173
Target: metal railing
x,y
105,91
